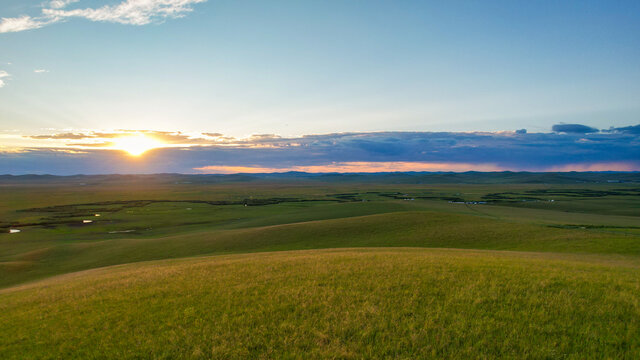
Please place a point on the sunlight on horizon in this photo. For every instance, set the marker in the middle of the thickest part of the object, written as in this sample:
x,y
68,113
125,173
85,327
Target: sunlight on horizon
x,y
136,145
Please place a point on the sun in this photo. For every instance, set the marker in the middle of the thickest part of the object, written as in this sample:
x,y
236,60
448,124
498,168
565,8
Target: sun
x,y
136,145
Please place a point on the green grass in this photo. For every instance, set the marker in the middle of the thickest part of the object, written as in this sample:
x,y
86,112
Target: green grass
x,y
535,279
65,244
365,303
415,229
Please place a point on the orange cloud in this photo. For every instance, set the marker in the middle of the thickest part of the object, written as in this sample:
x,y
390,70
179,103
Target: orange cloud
x,y
354,167
603,166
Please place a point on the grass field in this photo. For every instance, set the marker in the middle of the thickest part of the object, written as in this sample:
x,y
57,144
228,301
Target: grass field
x,y
421,229
540,270
395,303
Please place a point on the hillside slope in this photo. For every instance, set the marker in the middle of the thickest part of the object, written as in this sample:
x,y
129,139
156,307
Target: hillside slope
x,y
407,229
374,303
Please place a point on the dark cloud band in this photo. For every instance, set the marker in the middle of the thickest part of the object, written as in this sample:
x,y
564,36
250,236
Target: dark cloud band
x,y
614,149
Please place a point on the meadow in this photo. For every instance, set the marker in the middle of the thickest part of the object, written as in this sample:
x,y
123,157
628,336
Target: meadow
x,y
170,266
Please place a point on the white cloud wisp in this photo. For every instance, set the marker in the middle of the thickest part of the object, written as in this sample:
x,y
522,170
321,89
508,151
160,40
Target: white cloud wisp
x,y
3,74
59,4
130,12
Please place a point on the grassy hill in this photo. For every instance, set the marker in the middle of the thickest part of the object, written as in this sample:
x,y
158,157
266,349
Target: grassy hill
x,y
368,266
413,229
374,303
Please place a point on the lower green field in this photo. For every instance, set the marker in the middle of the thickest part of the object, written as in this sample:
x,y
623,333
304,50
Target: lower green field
x,y
159,269
401,303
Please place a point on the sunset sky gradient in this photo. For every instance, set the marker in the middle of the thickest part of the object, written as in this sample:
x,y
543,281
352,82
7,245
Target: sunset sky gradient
x,y
216,86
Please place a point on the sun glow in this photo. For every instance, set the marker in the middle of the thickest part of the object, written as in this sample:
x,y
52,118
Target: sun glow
x,y
137,144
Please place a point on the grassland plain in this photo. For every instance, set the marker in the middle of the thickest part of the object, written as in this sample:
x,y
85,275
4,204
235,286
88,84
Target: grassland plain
x,y
351,303
146,218
416,229
539,271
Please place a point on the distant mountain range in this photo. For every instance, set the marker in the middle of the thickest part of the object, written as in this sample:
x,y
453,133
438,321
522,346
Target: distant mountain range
x,y
471,177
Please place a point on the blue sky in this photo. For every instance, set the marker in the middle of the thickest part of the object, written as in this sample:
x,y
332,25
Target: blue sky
x,y
295,68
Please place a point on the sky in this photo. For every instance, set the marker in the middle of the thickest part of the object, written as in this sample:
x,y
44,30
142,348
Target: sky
x,y
103,86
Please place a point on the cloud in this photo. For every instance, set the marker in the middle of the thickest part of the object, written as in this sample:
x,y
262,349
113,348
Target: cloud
x,y
97,145
260,137
338,152
573,129
625,130
3,74
166,137
607,166
64,136
131,12
22,23
40,71
353,167
59,4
